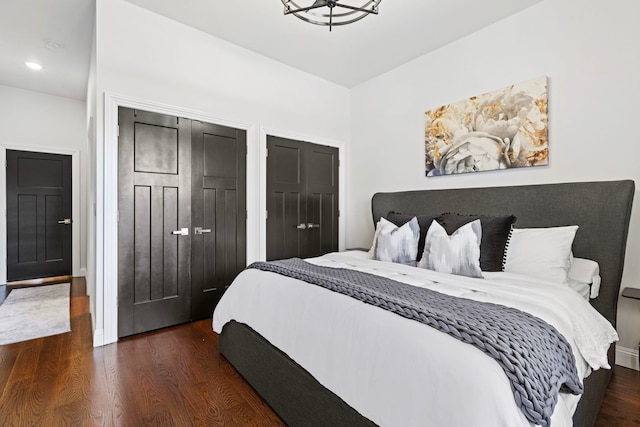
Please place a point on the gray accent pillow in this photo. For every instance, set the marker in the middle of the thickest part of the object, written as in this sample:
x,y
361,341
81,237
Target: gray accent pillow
x,y
496,231
397,244
458,253
424,221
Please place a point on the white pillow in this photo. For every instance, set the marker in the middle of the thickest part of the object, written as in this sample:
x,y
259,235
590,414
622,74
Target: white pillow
x,y
586,271
397,244
544,253
456,254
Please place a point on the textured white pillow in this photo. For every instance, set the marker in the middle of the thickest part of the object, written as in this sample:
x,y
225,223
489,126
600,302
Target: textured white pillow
x,y
544,253
456,254
397,244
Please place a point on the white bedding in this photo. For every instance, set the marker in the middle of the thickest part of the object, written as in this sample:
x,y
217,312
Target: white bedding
x,y
584,289
398,372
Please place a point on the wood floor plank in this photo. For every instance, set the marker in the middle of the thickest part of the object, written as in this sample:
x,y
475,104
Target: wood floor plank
x,y
26,363
172,377
8,356
48,372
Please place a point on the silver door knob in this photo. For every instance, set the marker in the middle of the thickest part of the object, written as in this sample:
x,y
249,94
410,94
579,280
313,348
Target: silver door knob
x,y
200,230
312,225
302,226
65,221
181,232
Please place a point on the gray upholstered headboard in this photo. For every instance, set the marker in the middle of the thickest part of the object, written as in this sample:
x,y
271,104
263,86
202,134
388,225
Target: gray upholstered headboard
x,y
601,209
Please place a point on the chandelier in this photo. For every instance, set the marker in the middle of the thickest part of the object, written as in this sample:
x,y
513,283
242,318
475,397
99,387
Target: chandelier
x,y
321,12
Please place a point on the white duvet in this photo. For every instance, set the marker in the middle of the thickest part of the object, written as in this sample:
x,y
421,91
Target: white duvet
x,y
396,371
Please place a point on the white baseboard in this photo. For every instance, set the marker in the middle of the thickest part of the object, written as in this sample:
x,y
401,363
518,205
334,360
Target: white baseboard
x,y
83,272
627,357
98,338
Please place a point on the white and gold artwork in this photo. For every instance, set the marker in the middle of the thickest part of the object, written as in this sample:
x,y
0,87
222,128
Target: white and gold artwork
x,y
503,129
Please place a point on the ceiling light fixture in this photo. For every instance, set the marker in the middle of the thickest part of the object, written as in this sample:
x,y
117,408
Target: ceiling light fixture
x,y
321,12
33,65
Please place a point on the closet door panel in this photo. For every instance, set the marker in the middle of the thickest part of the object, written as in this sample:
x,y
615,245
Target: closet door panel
x,y
322,186
219,212
286,204
154,203
302,199
182,226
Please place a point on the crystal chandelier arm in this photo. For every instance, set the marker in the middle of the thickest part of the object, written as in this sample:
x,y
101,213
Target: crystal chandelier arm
x,y
373,10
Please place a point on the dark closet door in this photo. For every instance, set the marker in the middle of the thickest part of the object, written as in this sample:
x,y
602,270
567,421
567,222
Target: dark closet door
x,y
38,215
322,199
154,202
302,199
218,213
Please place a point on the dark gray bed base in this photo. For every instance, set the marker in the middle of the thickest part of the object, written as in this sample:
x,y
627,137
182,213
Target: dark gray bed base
x,y
601,209
290,390
300,400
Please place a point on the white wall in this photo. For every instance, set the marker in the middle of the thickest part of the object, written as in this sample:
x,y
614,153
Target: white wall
x,y
90,179
35,121
169,64
589,51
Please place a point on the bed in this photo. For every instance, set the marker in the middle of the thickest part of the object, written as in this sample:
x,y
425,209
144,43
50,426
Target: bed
x,y
600,209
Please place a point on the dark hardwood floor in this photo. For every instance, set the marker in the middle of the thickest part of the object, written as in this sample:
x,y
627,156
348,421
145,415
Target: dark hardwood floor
x,y
621,406
171,377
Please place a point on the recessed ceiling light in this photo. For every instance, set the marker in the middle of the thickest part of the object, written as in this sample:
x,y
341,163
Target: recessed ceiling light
x,y
33,65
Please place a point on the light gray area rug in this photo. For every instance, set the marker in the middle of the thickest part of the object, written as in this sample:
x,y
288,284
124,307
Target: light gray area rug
x,y
29,313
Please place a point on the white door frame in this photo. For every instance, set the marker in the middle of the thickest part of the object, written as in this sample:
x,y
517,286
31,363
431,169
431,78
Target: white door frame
x,y
75,204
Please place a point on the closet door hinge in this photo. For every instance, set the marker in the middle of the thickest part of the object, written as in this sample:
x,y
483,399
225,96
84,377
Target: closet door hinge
x,y
118,130
266,214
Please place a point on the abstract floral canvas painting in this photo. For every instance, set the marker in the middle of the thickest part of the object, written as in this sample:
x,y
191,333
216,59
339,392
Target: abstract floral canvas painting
x,y
503,129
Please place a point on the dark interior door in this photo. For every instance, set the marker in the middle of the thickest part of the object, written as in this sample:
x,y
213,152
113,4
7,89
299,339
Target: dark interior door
x,y
218,213
286,205
38,215
154,202
322,199
302,199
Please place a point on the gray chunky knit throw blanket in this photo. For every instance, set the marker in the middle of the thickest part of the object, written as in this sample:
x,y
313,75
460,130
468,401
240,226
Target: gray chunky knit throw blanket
x,y
536,358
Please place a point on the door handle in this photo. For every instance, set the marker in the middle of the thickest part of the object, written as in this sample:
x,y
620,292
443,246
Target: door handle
x,y
181,232
65,221
200,230
302,226
312,225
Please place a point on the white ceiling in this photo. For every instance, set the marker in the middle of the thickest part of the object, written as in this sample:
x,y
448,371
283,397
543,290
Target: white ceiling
x,y
349,55
24,27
